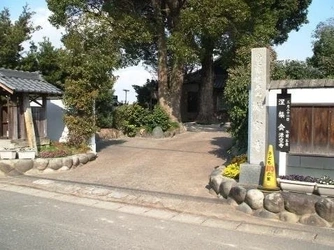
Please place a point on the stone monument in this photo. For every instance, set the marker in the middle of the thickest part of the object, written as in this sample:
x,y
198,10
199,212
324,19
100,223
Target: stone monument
x,y
250,172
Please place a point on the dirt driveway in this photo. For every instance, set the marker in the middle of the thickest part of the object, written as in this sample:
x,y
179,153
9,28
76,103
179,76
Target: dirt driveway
x,y
177,165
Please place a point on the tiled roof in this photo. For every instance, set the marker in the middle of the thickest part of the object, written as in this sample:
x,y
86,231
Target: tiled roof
x,y
27,82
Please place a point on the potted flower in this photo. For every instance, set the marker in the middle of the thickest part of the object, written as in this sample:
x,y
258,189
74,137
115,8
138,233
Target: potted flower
x,y
26,153
325,186
7,153
297,183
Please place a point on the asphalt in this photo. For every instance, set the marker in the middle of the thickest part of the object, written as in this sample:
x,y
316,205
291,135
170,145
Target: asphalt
x,y
169,176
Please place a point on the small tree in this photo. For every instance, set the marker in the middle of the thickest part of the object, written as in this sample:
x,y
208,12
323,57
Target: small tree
x,y
89,60
323,48
12,35
146,94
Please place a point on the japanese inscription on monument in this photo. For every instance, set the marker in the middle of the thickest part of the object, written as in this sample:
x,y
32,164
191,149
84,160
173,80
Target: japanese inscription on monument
x,y
283,121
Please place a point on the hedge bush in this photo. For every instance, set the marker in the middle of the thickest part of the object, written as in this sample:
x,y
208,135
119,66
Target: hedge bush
x,y
131,118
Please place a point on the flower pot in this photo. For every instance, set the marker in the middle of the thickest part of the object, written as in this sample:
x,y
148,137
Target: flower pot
x,y
325,190
7,154
297,186
27,154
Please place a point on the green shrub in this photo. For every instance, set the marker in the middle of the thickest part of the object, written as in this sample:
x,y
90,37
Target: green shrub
x,y
157,118
233,169
130,118
57,149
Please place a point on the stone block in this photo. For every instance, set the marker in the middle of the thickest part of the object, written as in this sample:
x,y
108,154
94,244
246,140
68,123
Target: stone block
x,y
250,174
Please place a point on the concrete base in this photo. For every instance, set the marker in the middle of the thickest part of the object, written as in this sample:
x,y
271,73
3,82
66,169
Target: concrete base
x,y
250,174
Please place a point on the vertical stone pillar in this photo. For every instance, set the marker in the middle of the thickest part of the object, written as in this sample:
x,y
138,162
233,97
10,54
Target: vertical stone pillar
x,y
258,113
257,118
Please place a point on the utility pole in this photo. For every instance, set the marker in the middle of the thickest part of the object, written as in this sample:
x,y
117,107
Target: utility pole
x,y
126,95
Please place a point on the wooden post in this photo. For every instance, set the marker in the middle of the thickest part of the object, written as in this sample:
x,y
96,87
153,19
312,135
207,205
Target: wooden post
x,y
29,123
14,119
44,107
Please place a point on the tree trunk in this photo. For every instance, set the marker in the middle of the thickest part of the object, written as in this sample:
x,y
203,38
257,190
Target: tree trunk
x,y
163,88
169,82
206,112
177,77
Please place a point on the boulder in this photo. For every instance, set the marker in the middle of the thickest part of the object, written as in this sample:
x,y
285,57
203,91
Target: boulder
x,y
157,132
254,198
300,203
41,163
55,163
67,162
226,186
215,182
75,161
288,217
325,209
83,158
238,193
313,220
243,207
6,166
33,171
64,168
218,171
274,202
14,172
91,156
48,171
23,165
262,213
230,201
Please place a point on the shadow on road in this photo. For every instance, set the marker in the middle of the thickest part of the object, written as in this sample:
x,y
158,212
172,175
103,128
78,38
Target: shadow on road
x,y
100,145
224,144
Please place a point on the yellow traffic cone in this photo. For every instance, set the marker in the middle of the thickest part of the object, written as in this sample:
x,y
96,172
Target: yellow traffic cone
x,y
269,179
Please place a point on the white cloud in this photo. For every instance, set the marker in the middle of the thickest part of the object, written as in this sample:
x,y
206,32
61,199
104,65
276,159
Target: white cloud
x,y
47,30
136,75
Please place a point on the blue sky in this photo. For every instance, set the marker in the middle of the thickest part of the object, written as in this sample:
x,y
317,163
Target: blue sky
x,y
297,47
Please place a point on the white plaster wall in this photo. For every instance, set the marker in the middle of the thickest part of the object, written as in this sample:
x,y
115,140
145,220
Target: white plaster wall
x,y
305,165
55,124
56,129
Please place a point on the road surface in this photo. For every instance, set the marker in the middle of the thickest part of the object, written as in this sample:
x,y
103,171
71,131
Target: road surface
x,y
30,222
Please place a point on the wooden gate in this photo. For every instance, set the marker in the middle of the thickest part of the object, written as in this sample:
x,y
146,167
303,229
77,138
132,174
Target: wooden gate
x,y
312,130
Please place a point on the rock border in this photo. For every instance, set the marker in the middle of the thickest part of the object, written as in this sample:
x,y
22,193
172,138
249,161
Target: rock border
x,y
14,167
290,207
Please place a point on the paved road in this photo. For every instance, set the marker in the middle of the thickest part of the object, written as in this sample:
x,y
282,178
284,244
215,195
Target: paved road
x,y
177,165
29,222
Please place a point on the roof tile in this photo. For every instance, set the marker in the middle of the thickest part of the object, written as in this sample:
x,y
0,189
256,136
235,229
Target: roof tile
x,y
27,82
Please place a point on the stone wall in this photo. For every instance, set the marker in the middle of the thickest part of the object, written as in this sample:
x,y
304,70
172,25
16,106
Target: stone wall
x,y
43,165
285,206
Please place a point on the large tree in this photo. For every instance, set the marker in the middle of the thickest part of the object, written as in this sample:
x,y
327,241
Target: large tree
x,y
226,27
12,35
171,34
323,48
45,58
146,30
270,23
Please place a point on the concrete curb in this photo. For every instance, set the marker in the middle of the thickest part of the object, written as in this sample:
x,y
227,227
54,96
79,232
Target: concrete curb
x,y
311,235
